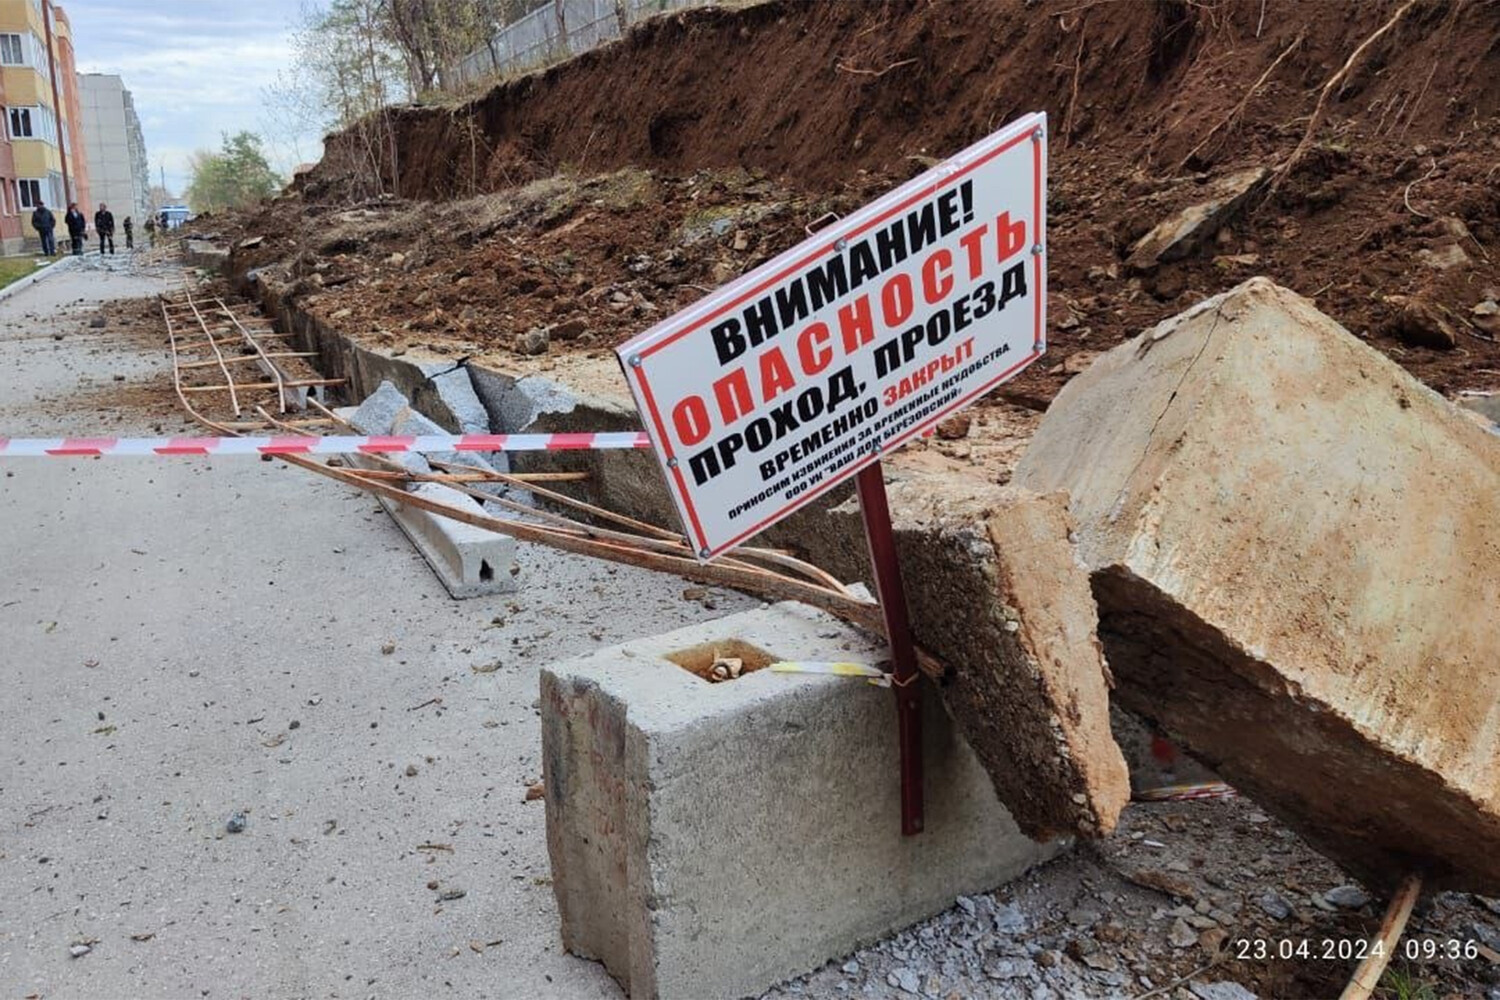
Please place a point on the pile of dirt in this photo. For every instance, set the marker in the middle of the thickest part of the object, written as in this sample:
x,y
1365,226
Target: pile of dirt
x,y
593,199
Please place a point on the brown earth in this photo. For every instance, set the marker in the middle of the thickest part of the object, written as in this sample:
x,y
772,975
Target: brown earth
x,y
607,192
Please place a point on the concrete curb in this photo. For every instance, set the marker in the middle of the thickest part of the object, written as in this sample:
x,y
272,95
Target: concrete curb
x,y
67,263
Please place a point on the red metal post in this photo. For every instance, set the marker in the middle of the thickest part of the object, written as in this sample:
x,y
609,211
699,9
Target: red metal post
x,y
907,685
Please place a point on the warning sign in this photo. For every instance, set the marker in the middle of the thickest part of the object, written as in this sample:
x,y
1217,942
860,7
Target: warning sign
x,y
781,384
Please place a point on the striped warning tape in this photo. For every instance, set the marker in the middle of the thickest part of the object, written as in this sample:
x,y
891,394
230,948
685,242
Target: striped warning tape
x,y
331,445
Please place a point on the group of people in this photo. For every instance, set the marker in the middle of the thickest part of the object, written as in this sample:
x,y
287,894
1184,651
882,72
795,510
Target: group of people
x,y
45,225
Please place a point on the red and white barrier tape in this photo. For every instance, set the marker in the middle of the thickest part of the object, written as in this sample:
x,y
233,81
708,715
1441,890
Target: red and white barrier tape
x,y
332,445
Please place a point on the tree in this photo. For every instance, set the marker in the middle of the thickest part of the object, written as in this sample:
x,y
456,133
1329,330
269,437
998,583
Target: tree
x,y
434,36
235,176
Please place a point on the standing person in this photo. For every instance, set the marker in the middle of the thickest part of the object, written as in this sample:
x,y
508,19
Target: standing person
x,y
104,225
129,234
77,226
151,229
44,223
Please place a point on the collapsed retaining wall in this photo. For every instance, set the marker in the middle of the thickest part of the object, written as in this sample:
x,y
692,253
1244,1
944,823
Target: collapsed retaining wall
x,y
1033,699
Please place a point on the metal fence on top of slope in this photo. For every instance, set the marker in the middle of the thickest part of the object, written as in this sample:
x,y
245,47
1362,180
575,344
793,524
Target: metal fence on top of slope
x,y
538,38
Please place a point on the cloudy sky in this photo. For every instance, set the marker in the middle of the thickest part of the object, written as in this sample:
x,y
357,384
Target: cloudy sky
x,y
196,68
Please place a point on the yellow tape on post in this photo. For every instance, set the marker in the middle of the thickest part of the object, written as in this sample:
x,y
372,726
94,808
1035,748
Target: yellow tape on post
x,y
870,674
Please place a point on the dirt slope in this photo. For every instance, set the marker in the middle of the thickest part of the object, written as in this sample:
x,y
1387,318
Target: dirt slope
x,y
736,129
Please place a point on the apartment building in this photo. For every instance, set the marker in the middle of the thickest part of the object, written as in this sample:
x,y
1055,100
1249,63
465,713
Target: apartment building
x,y
114,147
41,156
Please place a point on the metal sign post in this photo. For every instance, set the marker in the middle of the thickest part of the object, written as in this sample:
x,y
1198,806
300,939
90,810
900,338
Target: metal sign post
x,y
870,483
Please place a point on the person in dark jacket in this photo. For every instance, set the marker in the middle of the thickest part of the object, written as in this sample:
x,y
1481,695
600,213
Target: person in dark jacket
x,y
44,223
104,225
129,234
78,224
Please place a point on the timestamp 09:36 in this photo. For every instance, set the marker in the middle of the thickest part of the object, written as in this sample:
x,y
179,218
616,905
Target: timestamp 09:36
x,y
1424,949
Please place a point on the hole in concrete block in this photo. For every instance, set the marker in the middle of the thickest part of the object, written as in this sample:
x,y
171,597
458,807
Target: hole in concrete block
x,y
700,659
486,571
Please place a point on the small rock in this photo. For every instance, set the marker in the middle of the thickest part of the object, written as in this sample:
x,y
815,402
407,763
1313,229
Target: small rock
x,y
1010,968
79,950
1223,990
1421,323
1445,257
1103,961
1083,916
236,823
534,341
1009,919
905,980
388,648
966,904
294,724
569,329
535,791
954,428
97,323
1274,906
448,895
850,968
1181,935
411,770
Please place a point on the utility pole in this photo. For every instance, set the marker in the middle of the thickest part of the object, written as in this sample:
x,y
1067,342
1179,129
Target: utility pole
x,y
57,106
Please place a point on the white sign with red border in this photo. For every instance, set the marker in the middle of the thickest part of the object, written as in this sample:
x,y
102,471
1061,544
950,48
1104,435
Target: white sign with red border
x,y
774,388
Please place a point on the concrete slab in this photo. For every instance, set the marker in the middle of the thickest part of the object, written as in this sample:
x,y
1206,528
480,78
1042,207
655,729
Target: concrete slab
x,y
1295,547
468,561
708,840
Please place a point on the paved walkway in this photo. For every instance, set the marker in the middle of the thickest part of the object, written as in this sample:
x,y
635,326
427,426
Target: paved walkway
x,y
182,640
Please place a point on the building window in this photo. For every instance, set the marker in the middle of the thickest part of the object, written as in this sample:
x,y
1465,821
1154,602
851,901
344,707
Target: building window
x,y
36,122
12,50
7,197
29,193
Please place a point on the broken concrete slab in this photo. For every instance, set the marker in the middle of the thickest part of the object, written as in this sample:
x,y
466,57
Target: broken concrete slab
x,y
1295,547
996,593
1183,233
468,561
386,411
205,254
710,840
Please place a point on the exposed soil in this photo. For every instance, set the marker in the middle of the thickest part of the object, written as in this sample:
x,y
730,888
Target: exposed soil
x,y
611,190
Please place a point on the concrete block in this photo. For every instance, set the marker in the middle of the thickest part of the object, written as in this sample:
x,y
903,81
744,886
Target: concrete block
x,y
468,561
1295,549
997,593
709,840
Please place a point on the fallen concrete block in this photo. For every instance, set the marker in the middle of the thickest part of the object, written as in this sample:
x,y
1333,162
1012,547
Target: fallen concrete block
x,y
1184,232
710,840
996,592
468,561
205,254
1295,548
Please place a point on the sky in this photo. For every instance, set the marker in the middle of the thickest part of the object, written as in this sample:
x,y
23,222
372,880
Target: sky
x,y
196,69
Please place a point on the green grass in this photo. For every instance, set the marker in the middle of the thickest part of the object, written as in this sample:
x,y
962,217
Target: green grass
x,y
1402,984
12,268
